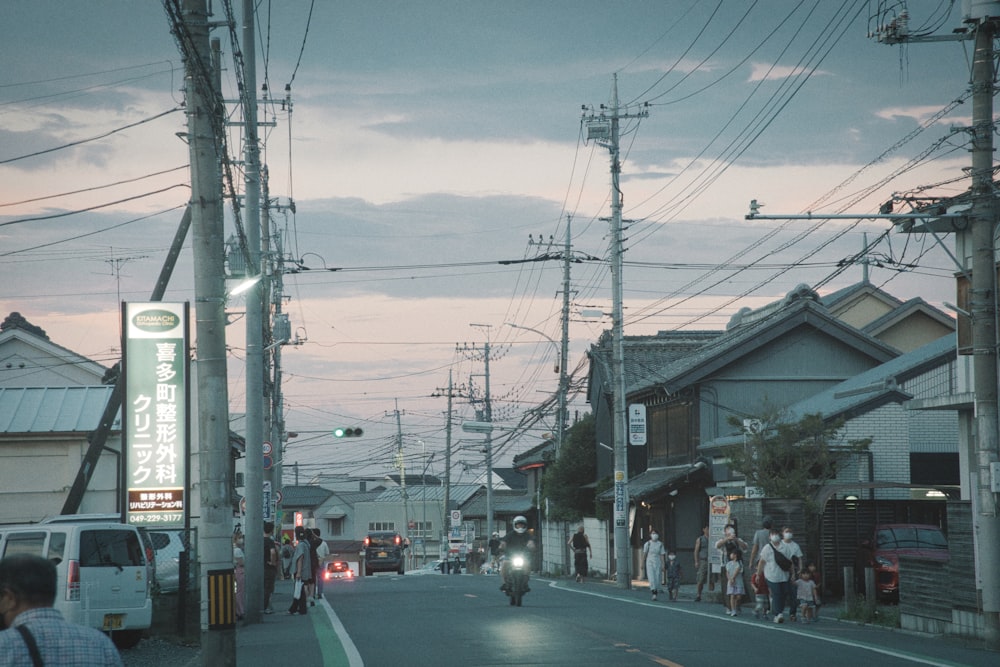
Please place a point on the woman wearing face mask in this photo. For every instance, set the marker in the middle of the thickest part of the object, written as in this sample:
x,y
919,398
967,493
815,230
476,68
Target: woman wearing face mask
x,y
655,555
770,566
794,552
730,543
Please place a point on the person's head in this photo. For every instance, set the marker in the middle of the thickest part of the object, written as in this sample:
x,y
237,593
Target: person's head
x,y
671,555
580,530
286,540
704,530
268,527
316,532
238,539
811,566
26,582
735,554
654,536
767,522
805,575
786,533
730,531
496,534
520,524
300,533
774,535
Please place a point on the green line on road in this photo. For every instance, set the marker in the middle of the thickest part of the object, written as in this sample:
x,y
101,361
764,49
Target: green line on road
x,y
329,644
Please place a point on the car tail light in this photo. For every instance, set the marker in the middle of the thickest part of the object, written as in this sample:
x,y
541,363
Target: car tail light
x,y
368,541
398,540
73,581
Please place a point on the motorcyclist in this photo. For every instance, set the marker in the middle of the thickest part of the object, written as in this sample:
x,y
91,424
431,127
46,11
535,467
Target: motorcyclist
x,y
518,541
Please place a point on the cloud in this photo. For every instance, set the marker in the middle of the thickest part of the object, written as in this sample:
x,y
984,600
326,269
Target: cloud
x,y
771,72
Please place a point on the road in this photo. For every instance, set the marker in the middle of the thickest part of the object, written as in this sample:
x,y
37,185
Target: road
x,y
451,620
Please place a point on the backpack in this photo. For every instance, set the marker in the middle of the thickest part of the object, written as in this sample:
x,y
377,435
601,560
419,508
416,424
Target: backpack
x,y
781,560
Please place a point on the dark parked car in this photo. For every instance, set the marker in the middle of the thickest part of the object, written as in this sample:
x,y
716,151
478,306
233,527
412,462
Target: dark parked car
x,y
384,552
889,542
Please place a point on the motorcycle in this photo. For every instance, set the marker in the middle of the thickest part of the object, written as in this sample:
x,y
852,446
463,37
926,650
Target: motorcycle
x,y
517,577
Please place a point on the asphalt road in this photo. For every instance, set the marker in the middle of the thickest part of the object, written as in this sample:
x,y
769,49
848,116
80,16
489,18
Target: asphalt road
x,y
456,620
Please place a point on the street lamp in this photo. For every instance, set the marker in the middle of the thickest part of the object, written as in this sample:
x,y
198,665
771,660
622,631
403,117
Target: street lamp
x,y
562,352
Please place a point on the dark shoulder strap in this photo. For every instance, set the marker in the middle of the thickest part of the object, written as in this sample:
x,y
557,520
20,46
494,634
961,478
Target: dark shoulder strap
x,y
29,639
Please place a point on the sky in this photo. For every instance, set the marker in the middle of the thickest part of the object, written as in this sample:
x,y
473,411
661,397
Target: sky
x,y
426,143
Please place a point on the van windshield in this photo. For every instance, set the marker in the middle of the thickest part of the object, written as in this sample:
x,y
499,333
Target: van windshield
x,y
110,548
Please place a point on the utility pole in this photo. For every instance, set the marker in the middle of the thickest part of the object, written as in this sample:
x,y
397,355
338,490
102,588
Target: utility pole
x,y
607,135
487,417
253,526
218,637
564,347
447,458
401,464
978,244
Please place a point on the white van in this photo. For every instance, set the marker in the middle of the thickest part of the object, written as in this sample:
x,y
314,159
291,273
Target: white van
x,y
102,579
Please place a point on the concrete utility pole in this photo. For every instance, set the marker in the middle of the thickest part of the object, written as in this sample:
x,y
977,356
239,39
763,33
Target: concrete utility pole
x,y
218,637
562,417
253,526
401,464
982,19
607,133
984,334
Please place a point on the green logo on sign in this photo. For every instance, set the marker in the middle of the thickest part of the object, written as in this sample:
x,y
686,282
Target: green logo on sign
x,y
153,321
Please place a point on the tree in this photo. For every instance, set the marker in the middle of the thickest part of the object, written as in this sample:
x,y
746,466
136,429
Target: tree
x,y
792,460
568,484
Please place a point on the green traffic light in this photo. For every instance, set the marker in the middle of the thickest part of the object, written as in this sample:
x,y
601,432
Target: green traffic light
x,y
347,432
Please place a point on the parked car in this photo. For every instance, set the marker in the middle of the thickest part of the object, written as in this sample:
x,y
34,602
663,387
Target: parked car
x,y
889,542
169,545
338,569
101,568
384,552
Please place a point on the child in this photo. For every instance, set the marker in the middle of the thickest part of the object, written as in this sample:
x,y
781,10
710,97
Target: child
x,y
814,575
673,575
761,595
734,575
805,591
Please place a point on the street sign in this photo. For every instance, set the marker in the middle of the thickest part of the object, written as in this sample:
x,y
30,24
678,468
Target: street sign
x,y
278,495
456,518
268,448
266,516
621,505
268,463
637,424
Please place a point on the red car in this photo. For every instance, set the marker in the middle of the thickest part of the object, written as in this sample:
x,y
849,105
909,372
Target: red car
x,y
892,540
338,569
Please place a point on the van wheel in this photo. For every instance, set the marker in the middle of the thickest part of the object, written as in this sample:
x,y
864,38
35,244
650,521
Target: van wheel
x,y
126,638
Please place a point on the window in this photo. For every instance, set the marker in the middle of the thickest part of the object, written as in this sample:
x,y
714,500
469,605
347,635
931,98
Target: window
x,y
381,525
25,543
421,529
110,548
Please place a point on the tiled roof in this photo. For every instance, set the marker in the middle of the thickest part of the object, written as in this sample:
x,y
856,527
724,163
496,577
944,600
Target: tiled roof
x,y
304,496
653,481
459,493
53,409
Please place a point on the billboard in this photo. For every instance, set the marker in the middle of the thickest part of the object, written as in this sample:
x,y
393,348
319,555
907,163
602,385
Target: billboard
x,y
155,429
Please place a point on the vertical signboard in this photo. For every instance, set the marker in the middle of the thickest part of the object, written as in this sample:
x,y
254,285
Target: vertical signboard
x,y
621,499
637,424
155,413
718,517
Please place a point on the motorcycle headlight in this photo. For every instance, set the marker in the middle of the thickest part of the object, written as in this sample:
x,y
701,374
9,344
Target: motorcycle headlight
x,y
517,561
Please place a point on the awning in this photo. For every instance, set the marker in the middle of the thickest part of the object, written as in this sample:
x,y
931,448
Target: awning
x,y
334,514
655,481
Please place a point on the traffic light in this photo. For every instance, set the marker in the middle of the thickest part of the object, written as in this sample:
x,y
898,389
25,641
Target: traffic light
x,y
347,432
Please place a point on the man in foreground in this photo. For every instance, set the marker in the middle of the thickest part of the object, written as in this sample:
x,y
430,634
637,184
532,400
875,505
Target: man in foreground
x,y
35,633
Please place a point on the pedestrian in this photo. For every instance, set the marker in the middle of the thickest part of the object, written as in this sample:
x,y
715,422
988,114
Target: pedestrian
x,y
734,582
760,539
762,603
775,566
805,592
322,553
729,544
580,544
815,576
494,548
301,569
239,574
701,563
286,557
673,575
794,552
270,565
36,633
655,555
